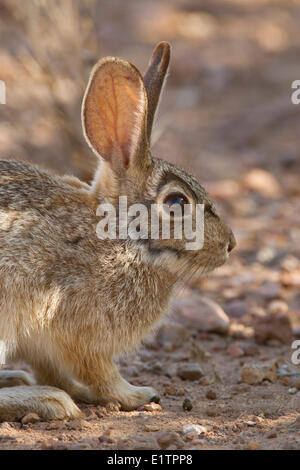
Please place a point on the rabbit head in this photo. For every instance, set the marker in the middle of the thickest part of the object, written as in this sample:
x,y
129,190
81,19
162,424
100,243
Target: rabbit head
x,y
118,112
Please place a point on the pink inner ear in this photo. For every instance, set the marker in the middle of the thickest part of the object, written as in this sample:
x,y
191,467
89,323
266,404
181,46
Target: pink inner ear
x,y
114,111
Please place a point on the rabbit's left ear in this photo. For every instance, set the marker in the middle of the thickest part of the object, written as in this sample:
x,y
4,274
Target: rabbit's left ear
x,y
114,115
154,79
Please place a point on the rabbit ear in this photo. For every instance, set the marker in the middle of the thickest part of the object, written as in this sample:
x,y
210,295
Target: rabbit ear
x,y
154,80
114,113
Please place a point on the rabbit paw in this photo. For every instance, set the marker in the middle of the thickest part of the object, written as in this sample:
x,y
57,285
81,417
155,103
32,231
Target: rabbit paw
x,y
134,397
48,402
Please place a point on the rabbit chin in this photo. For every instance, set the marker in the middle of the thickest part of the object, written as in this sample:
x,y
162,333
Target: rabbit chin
x,y
182,262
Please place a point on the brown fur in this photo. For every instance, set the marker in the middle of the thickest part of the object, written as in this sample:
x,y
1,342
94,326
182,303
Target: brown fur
x,y
70,302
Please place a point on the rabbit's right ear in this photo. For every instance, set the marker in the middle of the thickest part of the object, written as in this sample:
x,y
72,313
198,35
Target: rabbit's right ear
x,y
114,115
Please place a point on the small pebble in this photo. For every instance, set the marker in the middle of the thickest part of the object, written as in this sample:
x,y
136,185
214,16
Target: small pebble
x,y
151,407
54,425
152,427
5,425
277,307
211,395
251,350
170,390
112,406
31,418
78,424
234,350
165,439
295,382
187,404
297,421
194,429
253,445
190,371
212,411
132,371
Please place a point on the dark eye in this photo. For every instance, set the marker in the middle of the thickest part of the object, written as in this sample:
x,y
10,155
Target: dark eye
x,y
175,199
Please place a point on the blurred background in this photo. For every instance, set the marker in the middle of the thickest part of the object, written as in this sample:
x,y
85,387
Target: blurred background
x,y
226,116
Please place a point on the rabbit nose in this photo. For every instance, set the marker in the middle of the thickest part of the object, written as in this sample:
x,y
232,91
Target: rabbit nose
x,y
231,243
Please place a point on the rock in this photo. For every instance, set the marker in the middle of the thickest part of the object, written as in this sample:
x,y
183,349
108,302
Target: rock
x,y
142,443
107,436
170,390
251,350
235,350
55,425
31,418
211,395
205,381
273,327
240,331
266,254
171,335
189,371
292,390
166,439
81,446
295,382
277,307
193,431
132,371
226,396
262,182
258,372
151,407
113,407
171,370
90,414
290,279
297,422
154,366
53,444
296,332
271,435
5,425
269,290
253,445
290,263
236,308
152,428
125,444
241,388
212,411
201,313
187,404
101,411
78,424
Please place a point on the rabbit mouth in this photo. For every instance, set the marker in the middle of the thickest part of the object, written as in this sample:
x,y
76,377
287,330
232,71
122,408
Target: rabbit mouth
x,y
180,262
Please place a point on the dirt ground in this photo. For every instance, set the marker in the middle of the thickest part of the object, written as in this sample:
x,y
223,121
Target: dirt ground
x,y
227,117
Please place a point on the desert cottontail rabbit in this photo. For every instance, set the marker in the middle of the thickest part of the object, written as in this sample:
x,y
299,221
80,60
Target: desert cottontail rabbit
x,y
69,300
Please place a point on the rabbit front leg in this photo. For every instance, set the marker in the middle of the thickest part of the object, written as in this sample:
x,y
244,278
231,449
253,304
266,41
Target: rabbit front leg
x,y
107,385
